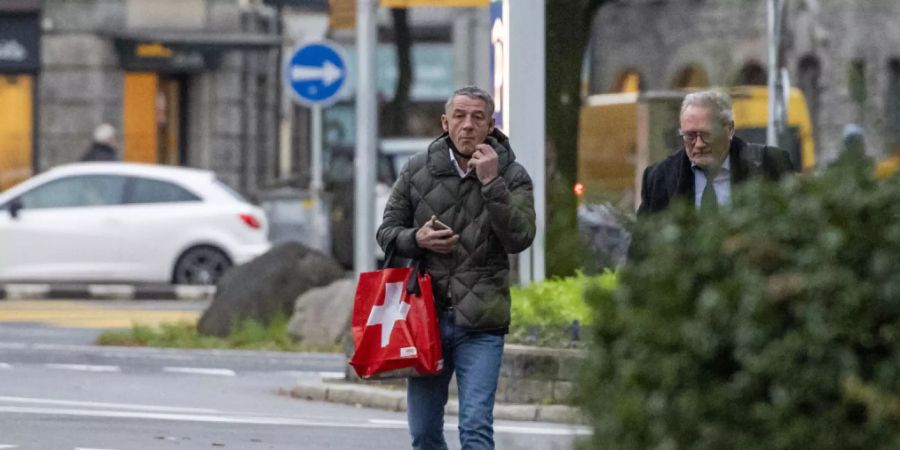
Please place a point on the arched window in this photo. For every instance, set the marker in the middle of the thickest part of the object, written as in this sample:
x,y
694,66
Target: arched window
x,y
752,73
627,81
692,76
809,72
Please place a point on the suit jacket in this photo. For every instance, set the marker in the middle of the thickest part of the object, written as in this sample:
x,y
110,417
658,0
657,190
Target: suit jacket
x,y
673,177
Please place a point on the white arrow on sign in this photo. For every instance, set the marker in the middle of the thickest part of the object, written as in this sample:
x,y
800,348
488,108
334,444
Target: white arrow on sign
x,y
328,73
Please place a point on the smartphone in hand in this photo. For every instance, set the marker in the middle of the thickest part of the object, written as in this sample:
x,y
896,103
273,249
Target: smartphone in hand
x,y
438,225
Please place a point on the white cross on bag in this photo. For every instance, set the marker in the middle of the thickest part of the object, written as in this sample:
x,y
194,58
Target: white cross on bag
x,y
393,309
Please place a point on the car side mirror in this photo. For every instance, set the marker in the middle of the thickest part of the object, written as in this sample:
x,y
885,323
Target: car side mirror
x,y
14,207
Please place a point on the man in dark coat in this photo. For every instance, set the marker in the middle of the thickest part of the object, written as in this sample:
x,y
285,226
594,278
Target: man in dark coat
x,y
468,180
712,160
103,147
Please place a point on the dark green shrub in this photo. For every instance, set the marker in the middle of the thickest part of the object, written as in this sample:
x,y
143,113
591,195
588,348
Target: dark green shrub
x,y
774,325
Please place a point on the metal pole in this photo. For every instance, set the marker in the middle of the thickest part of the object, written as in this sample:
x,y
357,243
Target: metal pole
x,y
316,183
366,138
525,115
771,132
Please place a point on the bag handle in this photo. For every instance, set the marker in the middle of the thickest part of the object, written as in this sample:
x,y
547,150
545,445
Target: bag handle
x,y
393,261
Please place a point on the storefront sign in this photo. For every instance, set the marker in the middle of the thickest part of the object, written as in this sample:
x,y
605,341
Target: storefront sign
x,y
19,43
163,58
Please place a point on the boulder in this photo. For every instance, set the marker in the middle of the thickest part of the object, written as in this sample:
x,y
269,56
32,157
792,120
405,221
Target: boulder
x,y
267,286
322,315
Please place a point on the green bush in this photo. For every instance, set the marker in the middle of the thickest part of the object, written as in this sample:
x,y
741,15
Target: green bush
x,y
246,335
774,325
548,308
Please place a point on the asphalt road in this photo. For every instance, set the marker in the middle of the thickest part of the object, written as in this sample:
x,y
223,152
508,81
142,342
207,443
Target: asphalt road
x,y
58,391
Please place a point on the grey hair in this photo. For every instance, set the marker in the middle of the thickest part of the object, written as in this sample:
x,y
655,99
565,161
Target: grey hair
x,y
717,101
474,92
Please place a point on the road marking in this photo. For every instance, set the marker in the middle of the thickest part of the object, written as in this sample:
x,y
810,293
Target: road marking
x,y
84,367
286,421
314,374
200,371
560,430
111,290
8,446
50,401
73,314
4,365
24,291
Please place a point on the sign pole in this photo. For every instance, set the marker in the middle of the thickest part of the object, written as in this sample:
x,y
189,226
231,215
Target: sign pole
x,y
366,139
315,75
316,182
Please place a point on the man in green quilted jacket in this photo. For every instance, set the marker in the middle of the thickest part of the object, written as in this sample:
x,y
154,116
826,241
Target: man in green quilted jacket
x,y
461,208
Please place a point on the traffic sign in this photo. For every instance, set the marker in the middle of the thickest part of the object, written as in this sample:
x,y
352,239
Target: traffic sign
x,y
316,73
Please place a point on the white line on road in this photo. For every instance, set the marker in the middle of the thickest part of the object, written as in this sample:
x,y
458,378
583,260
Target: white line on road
x,y
258,420
84,367
26,291
314,374
4,365
49,401
8,446
200,371
558,430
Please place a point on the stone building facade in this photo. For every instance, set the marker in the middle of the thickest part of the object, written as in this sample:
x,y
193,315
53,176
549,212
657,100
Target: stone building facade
x,y
845,56
184,82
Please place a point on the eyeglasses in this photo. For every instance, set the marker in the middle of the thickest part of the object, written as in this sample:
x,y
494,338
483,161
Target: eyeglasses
x,y
691,136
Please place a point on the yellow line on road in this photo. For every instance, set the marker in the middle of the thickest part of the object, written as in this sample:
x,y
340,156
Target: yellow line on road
x,y
71,314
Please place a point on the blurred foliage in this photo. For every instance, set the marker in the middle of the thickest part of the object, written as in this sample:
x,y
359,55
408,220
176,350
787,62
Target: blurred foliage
x,y
247,335
547,309
773,325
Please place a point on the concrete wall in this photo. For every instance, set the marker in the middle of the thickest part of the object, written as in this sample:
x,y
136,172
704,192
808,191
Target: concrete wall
x,y
660,38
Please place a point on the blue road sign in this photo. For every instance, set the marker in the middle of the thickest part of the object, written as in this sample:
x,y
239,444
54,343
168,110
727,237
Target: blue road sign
x,y
316,73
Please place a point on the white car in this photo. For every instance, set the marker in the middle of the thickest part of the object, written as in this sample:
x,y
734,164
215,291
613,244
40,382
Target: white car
x,y
114,221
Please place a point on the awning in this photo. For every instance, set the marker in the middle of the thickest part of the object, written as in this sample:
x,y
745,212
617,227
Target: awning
x,y
207,40
183,51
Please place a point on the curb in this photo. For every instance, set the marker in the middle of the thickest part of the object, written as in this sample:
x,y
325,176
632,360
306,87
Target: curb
x,y
50,291
395,400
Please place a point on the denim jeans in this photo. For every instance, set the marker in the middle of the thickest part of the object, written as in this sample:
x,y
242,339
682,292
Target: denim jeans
x,y
476,357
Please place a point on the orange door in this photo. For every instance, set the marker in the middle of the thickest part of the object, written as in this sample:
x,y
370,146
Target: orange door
x,y
16,128
139,104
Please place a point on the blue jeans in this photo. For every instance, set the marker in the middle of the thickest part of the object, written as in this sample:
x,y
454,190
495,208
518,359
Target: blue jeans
x,y
476,357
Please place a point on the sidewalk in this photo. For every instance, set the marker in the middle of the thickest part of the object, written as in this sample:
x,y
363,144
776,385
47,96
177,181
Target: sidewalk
x,y
394,399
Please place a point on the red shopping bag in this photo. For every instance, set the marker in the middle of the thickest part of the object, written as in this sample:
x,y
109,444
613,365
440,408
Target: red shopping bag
x,y
395,329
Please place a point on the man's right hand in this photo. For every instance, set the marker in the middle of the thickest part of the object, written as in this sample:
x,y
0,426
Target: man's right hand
x,y
438,241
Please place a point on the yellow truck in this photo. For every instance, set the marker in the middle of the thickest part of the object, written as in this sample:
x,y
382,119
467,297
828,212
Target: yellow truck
x,y
620,134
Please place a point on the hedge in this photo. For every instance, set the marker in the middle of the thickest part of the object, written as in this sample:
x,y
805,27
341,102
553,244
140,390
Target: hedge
x,y
772,325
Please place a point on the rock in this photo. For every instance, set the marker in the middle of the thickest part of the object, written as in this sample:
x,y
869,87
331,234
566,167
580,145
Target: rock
x,y
322,315
267,286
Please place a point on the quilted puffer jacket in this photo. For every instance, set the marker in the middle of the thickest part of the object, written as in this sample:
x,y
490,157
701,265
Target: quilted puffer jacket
x,y
492,221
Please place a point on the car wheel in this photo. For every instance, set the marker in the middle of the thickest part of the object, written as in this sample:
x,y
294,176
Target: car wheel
x,y
201,265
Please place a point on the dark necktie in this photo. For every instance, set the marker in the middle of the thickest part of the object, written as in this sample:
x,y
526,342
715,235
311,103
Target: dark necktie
x,y
708,201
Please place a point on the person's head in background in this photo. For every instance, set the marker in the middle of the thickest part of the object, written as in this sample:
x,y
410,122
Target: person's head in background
x,y
854,141
707,127
105,134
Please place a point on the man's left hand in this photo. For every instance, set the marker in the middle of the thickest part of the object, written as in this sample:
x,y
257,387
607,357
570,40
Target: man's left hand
x,y
485,162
